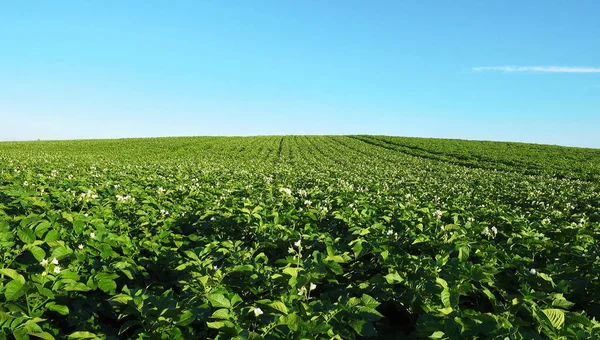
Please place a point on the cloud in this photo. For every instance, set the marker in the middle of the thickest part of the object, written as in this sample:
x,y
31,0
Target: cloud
x,y
548,69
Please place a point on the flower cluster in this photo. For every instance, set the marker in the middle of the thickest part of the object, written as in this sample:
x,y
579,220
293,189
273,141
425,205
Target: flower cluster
x,y
286,191
54,261
88,194
490,232
303,291
438,214
124,199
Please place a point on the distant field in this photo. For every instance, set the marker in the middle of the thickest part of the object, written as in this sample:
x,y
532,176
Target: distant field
x,y
298,237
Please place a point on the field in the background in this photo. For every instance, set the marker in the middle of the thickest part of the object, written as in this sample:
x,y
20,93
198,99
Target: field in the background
x,y
298,237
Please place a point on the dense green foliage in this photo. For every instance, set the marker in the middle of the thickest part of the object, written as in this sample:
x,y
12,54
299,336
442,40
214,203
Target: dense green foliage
x,y
298,238
575,163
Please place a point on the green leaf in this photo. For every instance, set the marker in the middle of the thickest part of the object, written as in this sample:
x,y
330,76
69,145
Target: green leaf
x,y
293,272
357,248
334,267
43,335
77,287
218,300
59,252
370,313
292,321
45,291
26,235
106,276
13,274
556,316
121,298
185,318
38,253
446,310
546,277
183,266
463,253
32,325
363,328
445,295
561,302
51,236
106,251
61,309
14,290
369,301
420,239
393,278
242,268
489,294
128,325
222,313
67,216
353,301
437,335
441,282
82,335
216,324
69,275
336,258
41,228
107,285
235,299
280,306
220,324
78,226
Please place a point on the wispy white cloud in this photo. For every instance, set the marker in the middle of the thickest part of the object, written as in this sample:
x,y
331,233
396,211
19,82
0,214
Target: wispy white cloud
x,y
549,69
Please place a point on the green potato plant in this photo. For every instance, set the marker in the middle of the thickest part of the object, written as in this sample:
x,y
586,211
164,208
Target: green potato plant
x,y
298,237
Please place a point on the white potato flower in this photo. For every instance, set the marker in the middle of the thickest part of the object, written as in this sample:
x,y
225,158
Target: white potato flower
x,y
286,191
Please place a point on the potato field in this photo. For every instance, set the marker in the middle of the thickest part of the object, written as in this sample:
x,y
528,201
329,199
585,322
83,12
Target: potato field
x,y
298,237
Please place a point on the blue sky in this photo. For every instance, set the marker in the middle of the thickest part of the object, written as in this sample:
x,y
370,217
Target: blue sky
x,y
455,69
